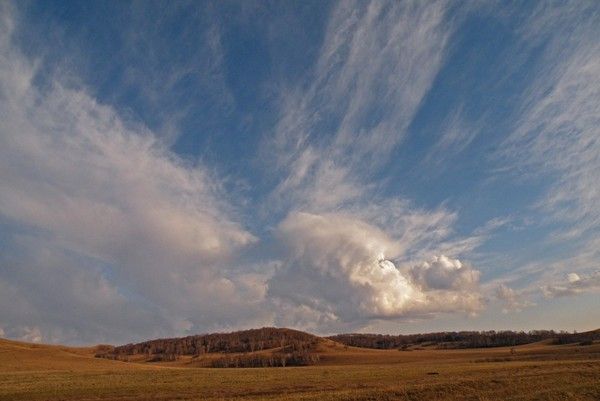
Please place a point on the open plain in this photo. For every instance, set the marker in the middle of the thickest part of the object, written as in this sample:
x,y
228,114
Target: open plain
x,y
538,371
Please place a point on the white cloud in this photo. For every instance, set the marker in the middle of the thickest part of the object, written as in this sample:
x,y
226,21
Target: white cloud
x,y
85,185
111,235
347,248
514,301
340,268
575,284
376,64
456,136
543,274
555,139
559,126
118,238
32,335
573,277
443,273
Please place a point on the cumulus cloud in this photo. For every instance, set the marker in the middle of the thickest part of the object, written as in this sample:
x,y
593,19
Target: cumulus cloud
x,y
341,267
443,273
575,284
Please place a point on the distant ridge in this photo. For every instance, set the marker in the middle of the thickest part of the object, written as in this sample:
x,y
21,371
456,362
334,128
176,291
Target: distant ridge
x,y
464,339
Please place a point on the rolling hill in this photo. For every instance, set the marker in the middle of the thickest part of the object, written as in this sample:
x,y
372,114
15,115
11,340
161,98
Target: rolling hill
x,y
537,371
264,347
278,347
281,347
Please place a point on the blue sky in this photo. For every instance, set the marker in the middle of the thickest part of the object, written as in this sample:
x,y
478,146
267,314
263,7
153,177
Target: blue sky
x,y
169,168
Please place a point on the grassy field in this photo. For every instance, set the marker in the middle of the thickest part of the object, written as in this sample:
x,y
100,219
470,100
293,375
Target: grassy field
x,y
532,372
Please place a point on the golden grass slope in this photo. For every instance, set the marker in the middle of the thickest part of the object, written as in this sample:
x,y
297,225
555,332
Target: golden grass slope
x,y
16,356
531,372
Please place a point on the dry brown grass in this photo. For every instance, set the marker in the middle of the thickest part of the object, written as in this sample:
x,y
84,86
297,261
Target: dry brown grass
x,y
533,372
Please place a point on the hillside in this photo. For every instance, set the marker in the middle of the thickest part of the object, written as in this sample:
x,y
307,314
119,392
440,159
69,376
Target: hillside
x,y
264,347
21,356
538,371
269,347
280,347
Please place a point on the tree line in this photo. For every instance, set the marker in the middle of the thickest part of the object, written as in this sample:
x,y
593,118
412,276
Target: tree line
x,y
257,360
246,341
463,339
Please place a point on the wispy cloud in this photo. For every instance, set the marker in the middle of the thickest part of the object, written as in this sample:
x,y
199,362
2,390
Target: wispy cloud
x,y
122,222
555,141
84,183
455,137
107,233
376,64
549,277
350,250
559,126
174,77
514,301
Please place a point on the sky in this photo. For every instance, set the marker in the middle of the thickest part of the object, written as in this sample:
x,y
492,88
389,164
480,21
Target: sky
x,y
173,168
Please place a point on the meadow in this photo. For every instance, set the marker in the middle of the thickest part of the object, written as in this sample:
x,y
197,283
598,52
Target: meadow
x,y
540,371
